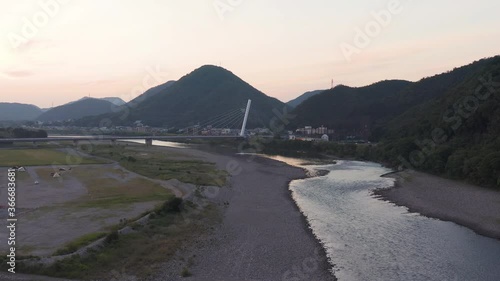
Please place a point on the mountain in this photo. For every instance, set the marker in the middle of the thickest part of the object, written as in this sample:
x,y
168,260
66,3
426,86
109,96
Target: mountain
x,y
364,111
151,92
201,95
456,134
350,110
78,109
18,111
115,101
295,102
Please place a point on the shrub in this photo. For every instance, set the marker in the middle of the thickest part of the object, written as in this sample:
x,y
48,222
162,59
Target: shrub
x,y
185,272
172,206
112,237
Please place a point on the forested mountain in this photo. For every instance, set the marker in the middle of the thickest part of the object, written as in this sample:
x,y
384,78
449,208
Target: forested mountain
x,y
456,133
350,110
149,93
75,110
201,95
363,110
18,111
295,102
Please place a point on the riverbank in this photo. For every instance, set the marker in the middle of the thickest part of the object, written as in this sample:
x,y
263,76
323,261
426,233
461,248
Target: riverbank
x,y
262,236
471,206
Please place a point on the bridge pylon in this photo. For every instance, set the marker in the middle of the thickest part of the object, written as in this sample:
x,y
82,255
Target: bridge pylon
x,y
244,125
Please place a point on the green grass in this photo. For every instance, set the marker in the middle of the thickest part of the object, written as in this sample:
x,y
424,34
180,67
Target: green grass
x,y
40,157
157,164
82,241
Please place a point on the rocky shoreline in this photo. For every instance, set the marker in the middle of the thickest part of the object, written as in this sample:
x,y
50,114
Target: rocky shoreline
x,y
471,206
263,234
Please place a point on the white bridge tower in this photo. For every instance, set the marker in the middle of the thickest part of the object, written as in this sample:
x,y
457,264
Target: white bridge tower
x,y
244,126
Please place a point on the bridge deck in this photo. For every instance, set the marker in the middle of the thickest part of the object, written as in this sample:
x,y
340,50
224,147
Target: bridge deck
x,y
98,138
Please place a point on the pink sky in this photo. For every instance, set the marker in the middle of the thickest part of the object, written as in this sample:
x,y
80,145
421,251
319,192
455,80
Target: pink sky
x,y
59,51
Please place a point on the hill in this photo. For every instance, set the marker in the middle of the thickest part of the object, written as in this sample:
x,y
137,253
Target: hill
x,y
350,110
114,100
295,102
455,134
201,95
18,112
364,111
78,109
151,92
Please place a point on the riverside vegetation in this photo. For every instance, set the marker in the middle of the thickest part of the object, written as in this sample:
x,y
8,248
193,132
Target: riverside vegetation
x,y
171,225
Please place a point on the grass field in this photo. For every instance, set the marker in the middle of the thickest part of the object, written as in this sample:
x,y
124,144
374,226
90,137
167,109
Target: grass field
x,y
108,187
40,157
157,164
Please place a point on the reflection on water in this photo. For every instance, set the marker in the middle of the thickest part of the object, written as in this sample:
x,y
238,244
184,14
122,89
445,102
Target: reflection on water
x,y
370,239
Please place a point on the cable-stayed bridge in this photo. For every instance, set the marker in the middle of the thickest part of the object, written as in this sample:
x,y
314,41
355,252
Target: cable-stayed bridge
x,y
219,127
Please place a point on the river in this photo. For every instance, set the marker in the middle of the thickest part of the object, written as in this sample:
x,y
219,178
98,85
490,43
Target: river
x,y
369,239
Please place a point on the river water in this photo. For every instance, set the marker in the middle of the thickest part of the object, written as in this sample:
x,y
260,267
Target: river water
x,y
370,239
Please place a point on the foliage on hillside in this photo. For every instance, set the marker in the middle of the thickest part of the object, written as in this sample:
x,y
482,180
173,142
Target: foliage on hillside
x,y
351,110
344,108
456,134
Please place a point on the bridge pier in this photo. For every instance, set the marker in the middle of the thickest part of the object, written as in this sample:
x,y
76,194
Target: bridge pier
x,y
75,142
149,142
113,142
35,144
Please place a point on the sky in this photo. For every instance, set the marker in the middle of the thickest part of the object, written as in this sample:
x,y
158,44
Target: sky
x,y
56,51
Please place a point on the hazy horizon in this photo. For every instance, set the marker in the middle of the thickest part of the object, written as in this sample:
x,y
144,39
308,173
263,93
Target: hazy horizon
x,y
54,52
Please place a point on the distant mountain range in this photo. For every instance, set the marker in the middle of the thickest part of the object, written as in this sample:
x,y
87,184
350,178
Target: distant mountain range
x,y
18,112
115,101
28,112
201,95
295,102
77,109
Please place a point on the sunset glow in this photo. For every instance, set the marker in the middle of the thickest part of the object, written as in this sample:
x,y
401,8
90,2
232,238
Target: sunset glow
x,y
53,52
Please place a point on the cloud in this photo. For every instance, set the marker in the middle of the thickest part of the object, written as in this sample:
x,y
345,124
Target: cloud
x,y
17,73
